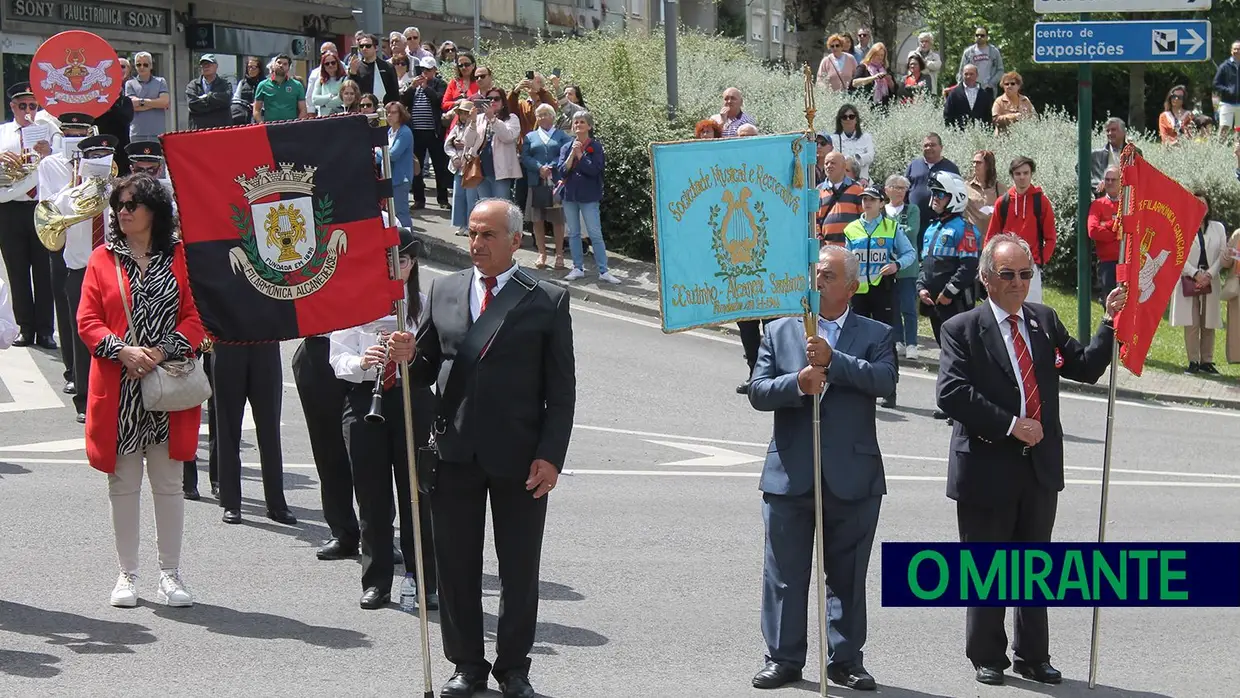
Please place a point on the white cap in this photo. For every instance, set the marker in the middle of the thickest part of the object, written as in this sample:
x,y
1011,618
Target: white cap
x,y
429,63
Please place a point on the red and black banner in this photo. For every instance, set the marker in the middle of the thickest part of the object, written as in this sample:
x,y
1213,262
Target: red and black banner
x,y
282,229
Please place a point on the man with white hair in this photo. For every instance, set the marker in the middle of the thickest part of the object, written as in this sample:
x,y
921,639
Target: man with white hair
x,y
934,62
501,433
999,377
150,97
847,365
1108,155
413,45
730,116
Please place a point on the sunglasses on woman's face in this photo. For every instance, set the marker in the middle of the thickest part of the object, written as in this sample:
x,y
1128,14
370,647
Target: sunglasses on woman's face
x,y
332,64
848,117
1011,84
464,65
1010,275
368,105
129,206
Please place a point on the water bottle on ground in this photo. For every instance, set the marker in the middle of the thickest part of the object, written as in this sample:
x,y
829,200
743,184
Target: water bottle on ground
x,y
408,594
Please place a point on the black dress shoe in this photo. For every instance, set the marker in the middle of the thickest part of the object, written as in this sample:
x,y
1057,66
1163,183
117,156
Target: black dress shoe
x,y
192,494
372,598
70,388
989,676
1042,672
232,516
283,516
774,675
81,417
463,685
940,414
335,550
743,388
432,601
45,341
516,686
398,557
890,402
856,678
23,341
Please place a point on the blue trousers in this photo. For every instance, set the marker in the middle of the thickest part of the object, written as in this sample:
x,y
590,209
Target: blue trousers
x,y
787,573
904,311
463,201
400,194
492,188
574,212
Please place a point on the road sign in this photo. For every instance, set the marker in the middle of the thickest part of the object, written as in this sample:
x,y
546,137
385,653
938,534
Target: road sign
x,y
1078,6
1169,41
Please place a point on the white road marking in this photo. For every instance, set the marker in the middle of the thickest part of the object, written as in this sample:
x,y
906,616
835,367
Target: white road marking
x,y
27,385
894,478
712,456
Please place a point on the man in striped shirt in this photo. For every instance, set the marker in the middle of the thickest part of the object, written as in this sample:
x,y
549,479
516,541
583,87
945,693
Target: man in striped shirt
x,y
839,200
423,98
730,117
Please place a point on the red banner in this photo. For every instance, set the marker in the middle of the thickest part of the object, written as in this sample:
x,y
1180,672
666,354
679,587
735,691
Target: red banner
x,y
1159,219
76,71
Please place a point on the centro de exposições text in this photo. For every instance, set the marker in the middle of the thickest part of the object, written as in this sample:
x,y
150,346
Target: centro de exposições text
x,y
1098,49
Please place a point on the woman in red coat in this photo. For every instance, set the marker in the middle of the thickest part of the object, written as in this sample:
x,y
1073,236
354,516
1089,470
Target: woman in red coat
x,y
142,248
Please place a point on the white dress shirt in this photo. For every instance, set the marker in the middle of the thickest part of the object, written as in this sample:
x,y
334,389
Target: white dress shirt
x,y
1005,328
823,324
480,289
11,142
971,94
55,178
349,345
8,325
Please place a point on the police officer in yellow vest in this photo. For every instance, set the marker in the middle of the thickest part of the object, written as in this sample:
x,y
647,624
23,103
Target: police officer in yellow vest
x,y
882,251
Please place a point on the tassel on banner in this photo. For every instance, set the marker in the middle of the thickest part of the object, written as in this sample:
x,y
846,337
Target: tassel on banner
x,y
798,175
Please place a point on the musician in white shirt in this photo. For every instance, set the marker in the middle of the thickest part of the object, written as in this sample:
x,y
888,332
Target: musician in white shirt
x,y
59,174
27,260
378,451
8,326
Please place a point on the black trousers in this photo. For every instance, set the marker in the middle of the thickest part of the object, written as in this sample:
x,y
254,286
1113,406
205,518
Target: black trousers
x,y
378,455
940,314
29,267
250,373
877,303
80,356
751,339
189,478
424,141
66,320
322,397
459,506
1030,519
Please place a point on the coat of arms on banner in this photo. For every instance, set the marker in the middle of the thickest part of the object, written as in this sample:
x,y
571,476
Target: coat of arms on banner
x,y
287,248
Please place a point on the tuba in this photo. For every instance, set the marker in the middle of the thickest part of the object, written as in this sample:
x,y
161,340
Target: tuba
x,y
88,199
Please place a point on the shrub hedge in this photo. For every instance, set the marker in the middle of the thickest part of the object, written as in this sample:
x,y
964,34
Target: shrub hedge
x,y
623,79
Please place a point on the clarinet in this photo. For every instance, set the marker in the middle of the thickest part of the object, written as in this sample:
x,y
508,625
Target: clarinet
x,y
375,415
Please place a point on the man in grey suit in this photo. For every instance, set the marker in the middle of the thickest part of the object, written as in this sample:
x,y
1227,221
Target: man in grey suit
x,y
1108,155
849,364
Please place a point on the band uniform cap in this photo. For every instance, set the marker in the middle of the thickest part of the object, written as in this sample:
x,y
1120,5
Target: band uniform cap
x,y
207,58
409,243
429,63
76,119
873,192
21,89
145,150
98,142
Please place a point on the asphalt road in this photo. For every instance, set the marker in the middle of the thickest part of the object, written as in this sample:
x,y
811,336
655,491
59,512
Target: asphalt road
x,y
652,557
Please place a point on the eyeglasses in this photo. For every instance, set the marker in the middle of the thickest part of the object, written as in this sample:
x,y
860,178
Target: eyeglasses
x,y
835,45
464,65
979,35
143,65
365,45
1011,84
939,195
332,64
482,76
406,261
129,206
368,105
848,117
27,106
1177,96
1010,275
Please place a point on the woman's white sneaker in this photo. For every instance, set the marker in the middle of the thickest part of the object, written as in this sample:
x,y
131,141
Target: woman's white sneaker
x,y
574,275
125,593
608,278
172,590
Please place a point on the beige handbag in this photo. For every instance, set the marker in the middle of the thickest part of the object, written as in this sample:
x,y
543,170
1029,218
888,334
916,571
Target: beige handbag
x,y
174,385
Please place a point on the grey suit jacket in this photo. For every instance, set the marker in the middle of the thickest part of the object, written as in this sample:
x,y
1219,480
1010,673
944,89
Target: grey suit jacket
x,y
862,370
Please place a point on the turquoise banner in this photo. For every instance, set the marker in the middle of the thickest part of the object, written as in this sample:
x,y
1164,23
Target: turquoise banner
x,y
732,229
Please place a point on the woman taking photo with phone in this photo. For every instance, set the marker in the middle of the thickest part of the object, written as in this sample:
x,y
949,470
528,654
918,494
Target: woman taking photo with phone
x,y
494,139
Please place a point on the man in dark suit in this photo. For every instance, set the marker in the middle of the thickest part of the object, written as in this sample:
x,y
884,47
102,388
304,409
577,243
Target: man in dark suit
x,y
849,364
969,100
507,394
1108,155
999,380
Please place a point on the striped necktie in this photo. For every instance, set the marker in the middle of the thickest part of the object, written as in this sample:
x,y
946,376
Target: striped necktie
x,y
1033,401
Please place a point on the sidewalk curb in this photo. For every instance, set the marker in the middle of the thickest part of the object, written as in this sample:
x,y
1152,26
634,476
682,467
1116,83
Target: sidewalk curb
x,y
448,254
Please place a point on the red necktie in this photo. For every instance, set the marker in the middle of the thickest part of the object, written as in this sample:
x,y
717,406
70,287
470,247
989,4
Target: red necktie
x,y
489,282
96,231
1033,402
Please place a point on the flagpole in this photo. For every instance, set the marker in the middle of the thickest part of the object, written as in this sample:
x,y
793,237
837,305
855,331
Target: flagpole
x,y
811,330
1110,442
410,449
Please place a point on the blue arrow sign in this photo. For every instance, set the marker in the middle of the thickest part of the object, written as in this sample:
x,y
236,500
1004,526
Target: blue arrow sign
x,y
1167,41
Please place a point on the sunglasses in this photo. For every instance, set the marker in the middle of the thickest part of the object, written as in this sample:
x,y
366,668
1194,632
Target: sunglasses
x,y
365,45
368,105
939,195
482,76
27,106
1010,275
464,65
1011,84
848,117
332,64
129,206
835,45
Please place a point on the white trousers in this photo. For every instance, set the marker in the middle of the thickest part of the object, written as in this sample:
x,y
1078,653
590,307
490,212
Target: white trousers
x,y
1227,117
125,494
1035,286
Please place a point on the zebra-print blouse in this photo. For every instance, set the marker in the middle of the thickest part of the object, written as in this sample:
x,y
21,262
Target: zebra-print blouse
x,y
155,301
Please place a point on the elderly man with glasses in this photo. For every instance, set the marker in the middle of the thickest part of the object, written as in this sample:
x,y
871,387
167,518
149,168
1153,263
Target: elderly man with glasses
x,y
413,45
150,96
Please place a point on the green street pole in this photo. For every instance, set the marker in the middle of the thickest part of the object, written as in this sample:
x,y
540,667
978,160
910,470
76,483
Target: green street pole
x,y
1084,197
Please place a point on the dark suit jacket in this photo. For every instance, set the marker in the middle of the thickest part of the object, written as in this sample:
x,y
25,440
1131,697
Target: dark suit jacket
x,y
1099,160
863,369
517,403
115,122
365,78
956,110
977,388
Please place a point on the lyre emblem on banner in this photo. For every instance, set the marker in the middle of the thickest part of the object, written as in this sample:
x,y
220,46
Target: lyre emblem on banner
x,y
287,263
739,229
1149,266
